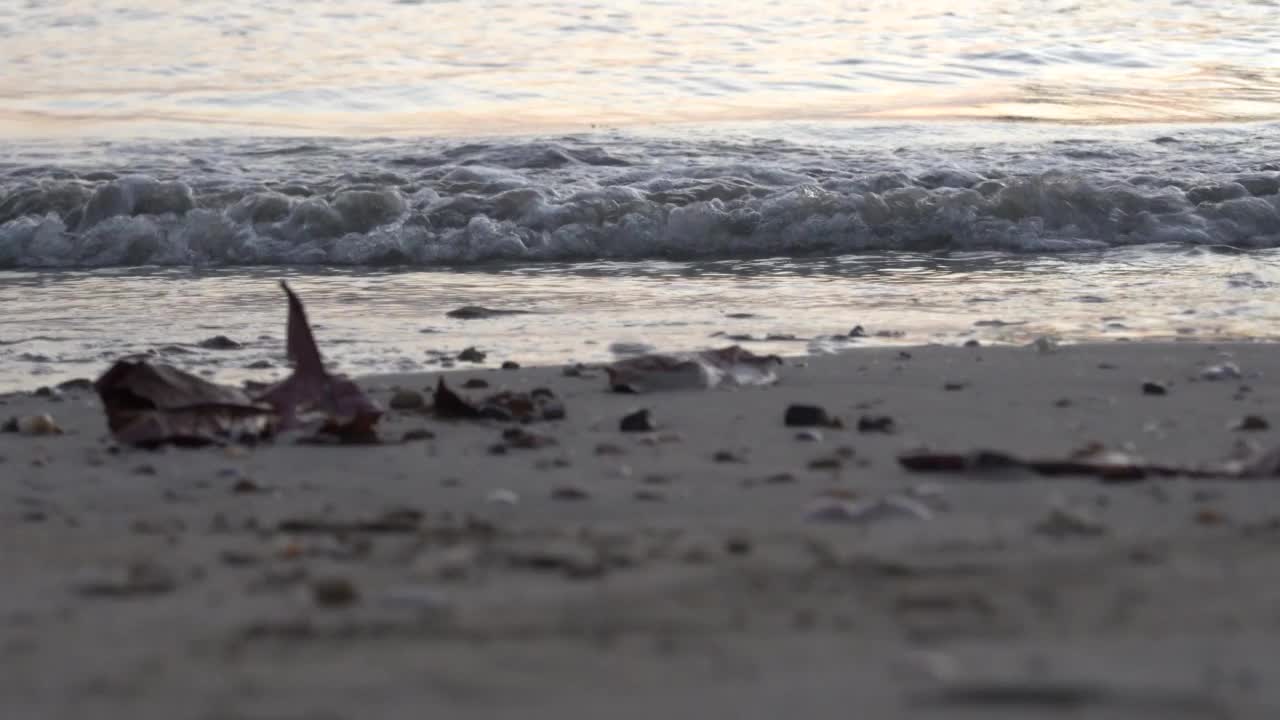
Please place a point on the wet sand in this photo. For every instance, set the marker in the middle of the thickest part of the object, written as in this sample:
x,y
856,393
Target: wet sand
x,y
676,573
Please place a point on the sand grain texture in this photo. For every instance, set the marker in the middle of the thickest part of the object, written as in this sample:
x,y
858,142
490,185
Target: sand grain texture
x,y
573,570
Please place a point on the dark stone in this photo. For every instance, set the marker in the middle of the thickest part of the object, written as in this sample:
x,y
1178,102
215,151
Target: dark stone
x,y
807,416
1151,387
569,492
475,383
510,365
472,355
857,331
955,385
876,424
638,421
476,312
1251,422
77,384
972,343
219,342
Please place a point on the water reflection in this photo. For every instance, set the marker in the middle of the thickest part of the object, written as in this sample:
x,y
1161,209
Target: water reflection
x,y
63,324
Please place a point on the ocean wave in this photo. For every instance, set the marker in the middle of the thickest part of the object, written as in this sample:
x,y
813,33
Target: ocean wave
x,y
565,201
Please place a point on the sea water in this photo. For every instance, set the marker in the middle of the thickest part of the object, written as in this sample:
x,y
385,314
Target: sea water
x,y
631,173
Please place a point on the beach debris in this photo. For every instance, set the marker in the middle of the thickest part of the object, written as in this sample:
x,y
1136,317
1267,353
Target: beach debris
x,y
152,404
475,384
507,406
502,496
407,400
876,424
1221,371
809,416
42,424
310,391
510,365
729,366
472,355
1153,387
334,592
891,507
1251,423
809,436
219,342
477,312
638,421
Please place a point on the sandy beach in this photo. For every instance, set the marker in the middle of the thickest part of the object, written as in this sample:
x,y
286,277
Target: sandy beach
x,y
721,565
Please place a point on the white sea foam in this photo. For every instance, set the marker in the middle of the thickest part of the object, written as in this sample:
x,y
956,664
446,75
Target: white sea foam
x,y
435,203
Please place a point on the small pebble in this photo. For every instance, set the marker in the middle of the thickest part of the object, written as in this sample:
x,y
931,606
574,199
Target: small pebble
x,y
826,463
569,492
609,449
638,421
727,456
972,344
472,355
245,486
475,383
219,342
807,416
416,434
780,479
857,332
145,469
876,424
510,365
955,385
809,436
1151,387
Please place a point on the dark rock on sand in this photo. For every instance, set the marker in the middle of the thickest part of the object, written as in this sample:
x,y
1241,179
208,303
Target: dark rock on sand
x,y
76,385
510,365
1251,422
808,416
475,383
476,312
1151,387
638,421
219,342
472,355
876,424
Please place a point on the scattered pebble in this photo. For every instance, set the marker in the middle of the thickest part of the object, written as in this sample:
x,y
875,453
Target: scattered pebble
x,y
1063,403
638,421
219,342
145,469
510,365
407,400
809,436
76,385
727,456
1044,345
656,479
826,463
476,312
245,486
569,493
260,365
876,424
1209,516
472,355
1221,371
1250,423
857,332
334,592
972,344
475,383
955,385
1151,387
417,434
518,437
808,416
780,479
44,391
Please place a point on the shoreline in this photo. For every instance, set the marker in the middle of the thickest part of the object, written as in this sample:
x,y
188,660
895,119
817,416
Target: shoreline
x,y
719,563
